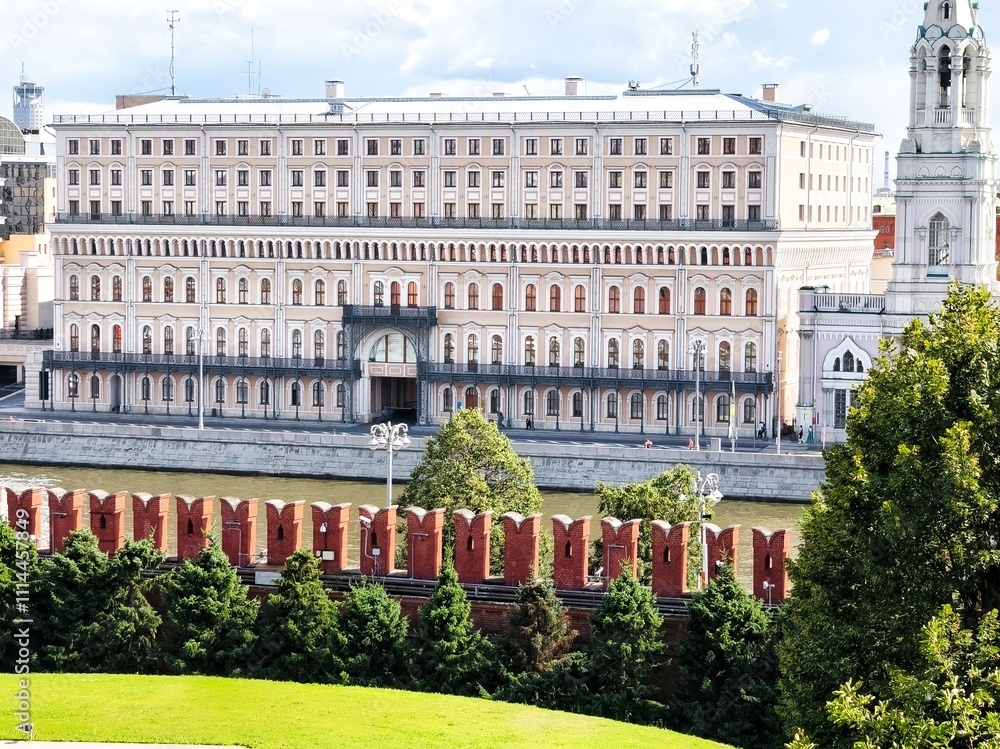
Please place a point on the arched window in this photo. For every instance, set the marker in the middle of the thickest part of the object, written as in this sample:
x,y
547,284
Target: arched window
x,y
496,350
848,362
147,289
750,357
265,344
749,411
74,337
449,348
552,403
751,310
319,293
449,296
341,292
168,289
168,340
412,298
74,288
636,406
116,339
725,358
529,351
946,11
473,349
554,352
699,301
495,401
448,400
265,291
613,353
220,291
664,301
638,354
578,405
95,288
726,302
147,394
265,393
189,342
639,301
340,345
939,245
168,389
74,385
612,406
579,352
529,402
395,294
220,342
555,299
220,390
579,299
530,298
379,294
243,342
473,296
663,355
319,395
95,338
319,346
116,288
497,297
296,344
189,291
297,293
722,409
614,300
662,408
340,395
244,291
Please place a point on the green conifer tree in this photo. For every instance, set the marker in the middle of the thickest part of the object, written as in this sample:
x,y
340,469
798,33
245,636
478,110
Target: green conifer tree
x,y
369,636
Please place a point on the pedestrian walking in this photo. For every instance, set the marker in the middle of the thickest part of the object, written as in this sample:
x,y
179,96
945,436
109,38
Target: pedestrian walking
x,y
800,434
649,444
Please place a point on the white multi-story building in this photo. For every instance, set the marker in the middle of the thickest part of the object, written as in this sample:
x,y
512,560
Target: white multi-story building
x,y
557,258
946,191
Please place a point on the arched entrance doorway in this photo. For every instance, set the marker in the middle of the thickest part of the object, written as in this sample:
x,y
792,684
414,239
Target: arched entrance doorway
x,y
392,372
116,394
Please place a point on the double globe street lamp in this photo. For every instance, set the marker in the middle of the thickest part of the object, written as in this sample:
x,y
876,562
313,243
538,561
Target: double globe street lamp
x,y
389,437
708,497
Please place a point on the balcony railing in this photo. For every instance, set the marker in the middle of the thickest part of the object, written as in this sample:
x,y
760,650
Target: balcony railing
x,y
314,366
410,222
849,302
395,314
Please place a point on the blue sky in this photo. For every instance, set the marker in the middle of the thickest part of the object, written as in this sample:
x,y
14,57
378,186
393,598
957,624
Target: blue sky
x,y
846,57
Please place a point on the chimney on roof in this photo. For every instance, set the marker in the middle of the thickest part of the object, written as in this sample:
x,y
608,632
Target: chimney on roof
x,y
573,85
334,89
770,92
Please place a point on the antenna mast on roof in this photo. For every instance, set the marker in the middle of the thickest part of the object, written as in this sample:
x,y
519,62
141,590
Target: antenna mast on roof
x,y
695,65
172,18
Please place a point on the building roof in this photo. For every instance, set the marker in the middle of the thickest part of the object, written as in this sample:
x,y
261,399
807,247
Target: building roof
x,y
639,106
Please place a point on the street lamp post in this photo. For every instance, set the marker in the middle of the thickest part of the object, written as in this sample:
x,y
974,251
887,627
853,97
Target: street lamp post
x,y
389,437
698,349
777,375
708,497
202,336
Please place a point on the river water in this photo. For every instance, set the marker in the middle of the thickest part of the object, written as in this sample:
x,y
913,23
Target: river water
x,y
773,516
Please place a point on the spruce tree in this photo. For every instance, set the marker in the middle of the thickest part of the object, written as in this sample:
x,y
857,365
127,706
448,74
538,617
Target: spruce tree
x,y
295,626
728,687
18,566
368,638
538,629
448,652
91,611
209,625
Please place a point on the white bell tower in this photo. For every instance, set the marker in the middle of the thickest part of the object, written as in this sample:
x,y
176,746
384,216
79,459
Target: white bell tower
x,y
946,168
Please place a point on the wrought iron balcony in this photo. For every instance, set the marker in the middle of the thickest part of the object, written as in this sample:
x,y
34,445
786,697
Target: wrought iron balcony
x,y
393,314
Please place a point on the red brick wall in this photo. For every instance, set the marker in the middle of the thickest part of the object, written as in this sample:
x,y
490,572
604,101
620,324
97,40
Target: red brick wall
x,y
29,501
107,520
239,530
571,552
621,548
721,546
284,530
149,519
472,546
520,548
194,525
770,550
330,542
670,551
886,228
378,532
425,535
65,516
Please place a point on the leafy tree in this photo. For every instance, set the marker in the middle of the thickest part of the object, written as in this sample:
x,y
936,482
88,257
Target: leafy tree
x,y
625,647
448,652
296,622
471,465
91,611
672,496
952,701
18,565
369,636
908,518
729,672
209,625
538,629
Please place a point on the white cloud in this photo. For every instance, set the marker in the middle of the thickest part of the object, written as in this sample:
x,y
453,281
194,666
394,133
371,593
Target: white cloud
x,y
486,62
821,37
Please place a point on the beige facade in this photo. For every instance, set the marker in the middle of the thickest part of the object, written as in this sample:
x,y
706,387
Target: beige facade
x,y
552,258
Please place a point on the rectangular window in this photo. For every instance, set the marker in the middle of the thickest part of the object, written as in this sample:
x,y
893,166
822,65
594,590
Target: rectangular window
x,y
704,180
265,178
242,177
702,213
146,147
531,179
297,178
450,179
116,208
242,148
188,207
297,147
146,177
74,176
220,148
147,208
641,146
753,213
531,147
555,211
168,177
729,146
419,210
580,179
753,180
580,211
319,209
473,146
531,211
639,212
639,179
497,210
190,147
555,146
729,180
297,208
614,180
615,212
728,215
74,207
666,180
419,147
666,146
473,210
395,178
497,179
666,213
343,147
395,210
498,146
342,209
615,147
450,146
581,146
116,148
242,208
190,178
473,179
395,147
265,148
556,180
319,178
95,176
319,147
450,210
95,147
73,147
756,146
220,177
372,210
704,146
371,178
343,178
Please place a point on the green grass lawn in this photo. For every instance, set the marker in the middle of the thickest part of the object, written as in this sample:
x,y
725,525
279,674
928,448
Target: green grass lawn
x,y
272,715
